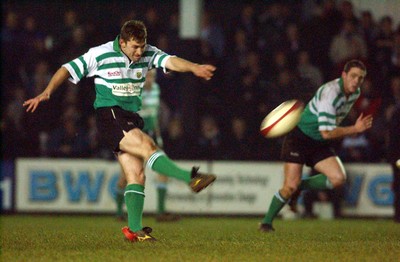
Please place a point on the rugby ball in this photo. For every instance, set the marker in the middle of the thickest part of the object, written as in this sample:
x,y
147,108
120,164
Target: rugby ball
x,y
282,119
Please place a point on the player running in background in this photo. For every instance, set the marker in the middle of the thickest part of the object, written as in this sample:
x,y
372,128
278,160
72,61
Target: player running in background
x,y
309,143
119,69
150,115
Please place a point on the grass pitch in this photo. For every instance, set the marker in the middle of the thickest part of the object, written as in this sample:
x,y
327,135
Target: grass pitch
x,y
99,238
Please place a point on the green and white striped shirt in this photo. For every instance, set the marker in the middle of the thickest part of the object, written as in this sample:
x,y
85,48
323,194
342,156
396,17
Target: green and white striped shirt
x,y
118,81
327,109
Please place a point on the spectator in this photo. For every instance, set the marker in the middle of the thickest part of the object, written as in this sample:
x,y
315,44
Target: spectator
x,y
282,88
76,45
248,23
292,43
348,44
378,133
369,29
307,70
209,144
71,20
37,82
10,49
327,22
272,23
38,78
384,43
395,55
154,23
239,142
16,138
68,141
33,49
235,53
245,97
394,96
174,140
212,32
346,10
172,30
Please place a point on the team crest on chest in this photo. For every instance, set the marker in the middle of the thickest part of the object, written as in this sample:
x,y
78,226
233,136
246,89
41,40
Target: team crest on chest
x,y
139,74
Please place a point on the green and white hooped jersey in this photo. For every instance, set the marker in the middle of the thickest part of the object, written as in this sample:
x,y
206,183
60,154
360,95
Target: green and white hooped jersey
x,y
150,107
327,109
118,81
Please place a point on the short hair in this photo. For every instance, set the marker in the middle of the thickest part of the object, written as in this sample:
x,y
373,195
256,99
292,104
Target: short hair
x,y
133,29
354,63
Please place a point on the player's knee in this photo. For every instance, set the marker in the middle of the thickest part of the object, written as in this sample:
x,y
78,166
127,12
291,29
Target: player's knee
x,y
131,138
138,143
337,180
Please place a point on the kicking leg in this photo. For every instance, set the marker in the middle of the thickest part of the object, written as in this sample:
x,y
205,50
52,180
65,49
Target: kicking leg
x,y
139,144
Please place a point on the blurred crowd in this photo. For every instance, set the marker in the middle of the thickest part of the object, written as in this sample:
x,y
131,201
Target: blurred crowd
x,y
266,52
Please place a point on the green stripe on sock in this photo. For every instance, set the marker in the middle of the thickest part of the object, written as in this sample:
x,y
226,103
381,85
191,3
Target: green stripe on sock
x,y
134,200
274,208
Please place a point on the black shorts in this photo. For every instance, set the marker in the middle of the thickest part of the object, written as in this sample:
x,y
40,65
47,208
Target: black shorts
x,y
112,121
299,148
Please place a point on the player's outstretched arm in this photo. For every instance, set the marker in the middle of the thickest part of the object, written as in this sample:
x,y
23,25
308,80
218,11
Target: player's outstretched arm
x,y
363,123
178,64
58,78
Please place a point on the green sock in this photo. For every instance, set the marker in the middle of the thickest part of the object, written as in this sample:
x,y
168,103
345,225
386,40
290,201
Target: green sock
x,y
134,200
161,195
276,205
119,198
317,182
160,163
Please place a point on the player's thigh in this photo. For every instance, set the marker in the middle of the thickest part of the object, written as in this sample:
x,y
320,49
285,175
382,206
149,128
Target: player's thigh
x,y
132,168
333,168
137,142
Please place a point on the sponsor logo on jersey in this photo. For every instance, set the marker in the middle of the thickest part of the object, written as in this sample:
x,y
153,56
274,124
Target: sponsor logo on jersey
x,y
128,89
115,73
